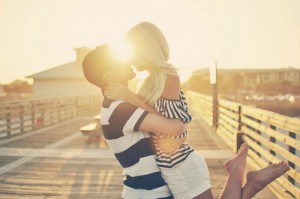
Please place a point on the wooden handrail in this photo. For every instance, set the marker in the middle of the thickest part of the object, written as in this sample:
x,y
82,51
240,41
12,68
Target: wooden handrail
x,y
25,116
271,137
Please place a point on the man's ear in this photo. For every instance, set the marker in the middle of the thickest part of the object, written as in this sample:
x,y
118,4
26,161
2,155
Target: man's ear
x,y
108,76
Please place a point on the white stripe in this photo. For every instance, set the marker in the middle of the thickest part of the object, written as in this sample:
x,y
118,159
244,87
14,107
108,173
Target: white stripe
x,y
106,112
146,165
124,142
128,127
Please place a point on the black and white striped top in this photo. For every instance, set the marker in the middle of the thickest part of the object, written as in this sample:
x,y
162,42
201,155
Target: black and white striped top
x,y
133,149
172,109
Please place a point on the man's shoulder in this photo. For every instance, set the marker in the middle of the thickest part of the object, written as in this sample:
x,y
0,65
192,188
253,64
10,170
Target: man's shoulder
x,y
120,110
120,105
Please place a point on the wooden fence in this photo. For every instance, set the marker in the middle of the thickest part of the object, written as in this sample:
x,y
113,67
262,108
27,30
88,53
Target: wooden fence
x,y
25,116
271,137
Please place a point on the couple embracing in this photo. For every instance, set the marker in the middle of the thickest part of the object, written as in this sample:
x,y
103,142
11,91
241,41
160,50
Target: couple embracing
x,y
147,131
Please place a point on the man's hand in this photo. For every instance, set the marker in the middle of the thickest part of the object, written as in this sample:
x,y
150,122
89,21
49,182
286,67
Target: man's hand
x,y
161,125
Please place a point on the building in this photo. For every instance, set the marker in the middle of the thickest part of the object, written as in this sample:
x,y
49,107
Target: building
x,y
253,77
66,80
2,92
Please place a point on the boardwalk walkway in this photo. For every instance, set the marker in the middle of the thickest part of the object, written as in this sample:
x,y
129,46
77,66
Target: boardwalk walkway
x,y
56,162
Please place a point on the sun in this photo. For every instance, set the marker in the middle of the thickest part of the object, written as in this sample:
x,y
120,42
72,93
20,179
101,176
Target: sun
x,y
121,50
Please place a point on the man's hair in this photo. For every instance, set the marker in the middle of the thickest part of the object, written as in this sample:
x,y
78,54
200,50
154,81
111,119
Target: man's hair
x,y
95,64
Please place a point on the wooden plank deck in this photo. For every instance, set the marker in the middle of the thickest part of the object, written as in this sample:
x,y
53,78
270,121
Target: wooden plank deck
x,y
57,162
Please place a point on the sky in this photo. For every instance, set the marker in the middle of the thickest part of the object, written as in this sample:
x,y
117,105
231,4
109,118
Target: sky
x,y
36,35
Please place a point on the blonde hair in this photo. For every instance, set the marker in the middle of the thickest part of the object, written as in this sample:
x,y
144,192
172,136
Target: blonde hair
x,y
151,52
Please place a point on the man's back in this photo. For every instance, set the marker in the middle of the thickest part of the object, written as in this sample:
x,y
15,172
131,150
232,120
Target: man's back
x,y
120,123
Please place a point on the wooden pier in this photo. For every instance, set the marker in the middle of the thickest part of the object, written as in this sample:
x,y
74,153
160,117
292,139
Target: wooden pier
x,y
57,161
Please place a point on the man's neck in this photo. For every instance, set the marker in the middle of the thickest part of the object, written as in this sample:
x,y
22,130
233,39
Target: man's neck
x,y
110,84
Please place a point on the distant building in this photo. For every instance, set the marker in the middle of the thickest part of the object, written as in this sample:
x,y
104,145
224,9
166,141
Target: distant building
x,y
64,81
2,92
253,77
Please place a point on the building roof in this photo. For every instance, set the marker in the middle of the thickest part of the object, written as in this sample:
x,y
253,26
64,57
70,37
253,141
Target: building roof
x,y
68,70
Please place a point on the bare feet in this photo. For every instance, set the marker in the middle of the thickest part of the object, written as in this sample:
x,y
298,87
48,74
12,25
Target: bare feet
x,y
261,178
237,164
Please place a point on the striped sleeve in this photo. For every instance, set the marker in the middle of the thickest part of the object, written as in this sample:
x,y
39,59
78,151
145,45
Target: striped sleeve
x,y
124,119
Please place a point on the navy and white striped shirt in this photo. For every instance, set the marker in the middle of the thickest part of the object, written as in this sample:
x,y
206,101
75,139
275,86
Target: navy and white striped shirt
x,y
133,149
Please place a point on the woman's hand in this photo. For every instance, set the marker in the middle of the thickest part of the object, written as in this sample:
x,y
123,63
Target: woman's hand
x,y
118,92
121,92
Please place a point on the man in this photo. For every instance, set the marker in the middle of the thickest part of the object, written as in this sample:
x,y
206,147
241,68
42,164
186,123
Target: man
x,y
125,128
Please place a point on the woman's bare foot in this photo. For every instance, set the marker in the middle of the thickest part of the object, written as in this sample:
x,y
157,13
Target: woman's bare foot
x,y
237,164
261,178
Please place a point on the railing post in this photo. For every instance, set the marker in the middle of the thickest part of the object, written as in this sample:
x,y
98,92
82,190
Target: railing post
x,y
32,115
21,118
239,134
259,133
8,120
293,151
215,106
42,120
214,83
272,140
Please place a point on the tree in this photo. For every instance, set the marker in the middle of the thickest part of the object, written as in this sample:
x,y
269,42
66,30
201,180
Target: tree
x,y
18,86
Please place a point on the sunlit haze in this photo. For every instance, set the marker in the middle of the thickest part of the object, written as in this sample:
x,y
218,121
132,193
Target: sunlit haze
x,y
121,49
37,35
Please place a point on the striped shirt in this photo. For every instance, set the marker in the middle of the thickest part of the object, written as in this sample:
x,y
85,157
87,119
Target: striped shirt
x,y
175,109
133,149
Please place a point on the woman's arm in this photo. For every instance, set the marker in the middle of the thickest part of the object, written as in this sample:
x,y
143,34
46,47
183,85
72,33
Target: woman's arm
x,y
121,92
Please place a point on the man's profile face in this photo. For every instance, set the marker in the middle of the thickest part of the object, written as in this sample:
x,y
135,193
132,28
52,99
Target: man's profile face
x,y
123,72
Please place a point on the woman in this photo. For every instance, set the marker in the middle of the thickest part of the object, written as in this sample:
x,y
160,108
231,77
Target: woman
x,y
184,170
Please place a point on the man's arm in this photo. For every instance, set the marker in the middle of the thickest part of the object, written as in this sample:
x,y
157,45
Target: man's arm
x,y
160,125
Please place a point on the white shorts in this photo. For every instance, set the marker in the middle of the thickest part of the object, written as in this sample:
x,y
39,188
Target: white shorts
x,y
189,178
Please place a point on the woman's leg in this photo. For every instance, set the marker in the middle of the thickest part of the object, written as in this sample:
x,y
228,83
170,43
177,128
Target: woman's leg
x,y
235,168
257,180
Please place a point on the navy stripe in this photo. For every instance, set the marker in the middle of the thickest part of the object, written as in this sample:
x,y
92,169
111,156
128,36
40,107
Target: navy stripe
x,y
138,123
148,182
132,155
173,159
106,102
117,121
169,197
171,165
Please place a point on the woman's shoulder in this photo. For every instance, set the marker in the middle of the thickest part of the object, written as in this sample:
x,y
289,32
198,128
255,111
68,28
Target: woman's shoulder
x,y
172,88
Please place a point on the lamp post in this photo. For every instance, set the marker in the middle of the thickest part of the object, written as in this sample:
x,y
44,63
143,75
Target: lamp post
x,y
213,82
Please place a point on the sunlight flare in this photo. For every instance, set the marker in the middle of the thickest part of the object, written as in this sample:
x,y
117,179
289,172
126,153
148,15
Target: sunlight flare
x,y
121,50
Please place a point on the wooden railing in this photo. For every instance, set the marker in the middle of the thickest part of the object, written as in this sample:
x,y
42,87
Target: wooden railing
x,y
202,104
271,137
25,116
